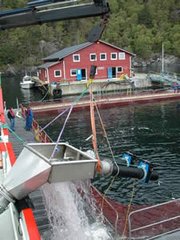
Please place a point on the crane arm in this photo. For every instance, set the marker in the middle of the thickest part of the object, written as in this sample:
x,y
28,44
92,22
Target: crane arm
x,y
49,12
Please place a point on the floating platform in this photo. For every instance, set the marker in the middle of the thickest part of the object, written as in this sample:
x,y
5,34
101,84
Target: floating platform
x,y
104,101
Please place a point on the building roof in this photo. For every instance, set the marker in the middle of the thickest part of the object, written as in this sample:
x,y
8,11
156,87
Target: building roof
x,y
70,50
123,50
66,51
47,64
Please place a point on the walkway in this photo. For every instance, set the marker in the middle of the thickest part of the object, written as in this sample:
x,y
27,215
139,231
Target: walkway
x,y
20,136
18,139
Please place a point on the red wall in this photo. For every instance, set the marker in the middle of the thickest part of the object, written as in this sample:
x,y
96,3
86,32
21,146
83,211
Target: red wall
x,y
85,63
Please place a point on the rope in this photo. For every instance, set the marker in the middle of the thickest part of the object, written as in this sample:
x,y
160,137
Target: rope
x,y
44,96
70,110
19,138
61,132
58,116
129,208
109,145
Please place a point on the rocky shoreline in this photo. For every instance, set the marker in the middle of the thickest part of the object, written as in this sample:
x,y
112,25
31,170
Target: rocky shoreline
x,y
136,63
168,59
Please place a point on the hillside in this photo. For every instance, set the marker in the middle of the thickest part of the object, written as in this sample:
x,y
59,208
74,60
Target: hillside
x,y
139,26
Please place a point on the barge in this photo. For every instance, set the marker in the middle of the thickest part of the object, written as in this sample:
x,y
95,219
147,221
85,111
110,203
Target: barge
x,y
104,101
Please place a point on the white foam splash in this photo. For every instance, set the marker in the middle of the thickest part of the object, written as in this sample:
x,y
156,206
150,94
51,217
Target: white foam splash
x,y
67,215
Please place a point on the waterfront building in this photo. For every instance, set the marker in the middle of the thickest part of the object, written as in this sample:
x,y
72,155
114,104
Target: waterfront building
x,y
74,63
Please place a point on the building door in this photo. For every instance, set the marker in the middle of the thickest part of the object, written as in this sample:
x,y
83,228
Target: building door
x,y
83,71
109,73
79,75
113,72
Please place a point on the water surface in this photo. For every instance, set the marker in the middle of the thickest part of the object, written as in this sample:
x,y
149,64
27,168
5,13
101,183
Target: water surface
x,y
151,131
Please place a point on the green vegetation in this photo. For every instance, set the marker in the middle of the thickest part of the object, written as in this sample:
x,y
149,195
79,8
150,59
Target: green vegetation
x,y
139,26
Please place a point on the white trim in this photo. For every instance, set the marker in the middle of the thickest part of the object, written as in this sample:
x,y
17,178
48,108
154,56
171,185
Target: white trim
x,y
64,69
48,74
119,71
115,53
74,55
122,56
93,54
104,58
57,70
73,75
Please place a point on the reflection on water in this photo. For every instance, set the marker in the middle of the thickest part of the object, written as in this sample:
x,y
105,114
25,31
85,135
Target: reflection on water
x,y
151,131
13,93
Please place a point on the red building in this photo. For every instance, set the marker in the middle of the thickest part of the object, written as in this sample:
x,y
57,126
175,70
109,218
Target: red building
x,y
74,63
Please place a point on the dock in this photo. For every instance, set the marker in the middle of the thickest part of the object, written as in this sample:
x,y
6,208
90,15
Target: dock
x,y
104,101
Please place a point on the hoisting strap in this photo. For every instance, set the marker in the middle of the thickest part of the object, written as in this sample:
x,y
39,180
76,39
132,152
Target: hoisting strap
x,y
93,127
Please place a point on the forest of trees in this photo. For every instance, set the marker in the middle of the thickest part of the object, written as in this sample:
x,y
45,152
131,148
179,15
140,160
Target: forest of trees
x,y
139,26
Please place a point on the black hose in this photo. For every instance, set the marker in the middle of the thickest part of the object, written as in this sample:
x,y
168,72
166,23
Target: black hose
x,y
132,172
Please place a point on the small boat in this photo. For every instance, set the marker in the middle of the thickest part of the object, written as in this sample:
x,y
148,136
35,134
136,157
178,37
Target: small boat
x,y
27,82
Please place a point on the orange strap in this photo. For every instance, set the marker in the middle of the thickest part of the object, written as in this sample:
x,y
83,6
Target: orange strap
x,y
93,126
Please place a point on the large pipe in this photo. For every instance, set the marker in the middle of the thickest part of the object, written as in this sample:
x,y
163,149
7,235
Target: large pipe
x,y
132,172
108,168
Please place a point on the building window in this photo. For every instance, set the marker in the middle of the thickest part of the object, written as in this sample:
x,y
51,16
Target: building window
x,y
119,69
122,56
57,73
93,57
103,56
114,56
76,57
73,72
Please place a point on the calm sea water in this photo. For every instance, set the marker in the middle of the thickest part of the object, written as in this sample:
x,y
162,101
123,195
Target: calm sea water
x,y
151,131
13,93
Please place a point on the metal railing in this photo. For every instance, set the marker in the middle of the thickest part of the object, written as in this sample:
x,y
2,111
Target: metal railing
x,y
39,134
155,221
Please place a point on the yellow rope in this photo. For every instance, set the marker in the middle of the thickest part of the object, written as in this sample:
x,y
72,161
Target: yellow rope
x,y
129,208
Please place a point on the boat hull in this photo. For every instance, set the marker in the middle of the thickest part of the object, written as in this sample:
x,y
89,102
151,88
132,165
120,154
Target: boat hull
x,y
26,85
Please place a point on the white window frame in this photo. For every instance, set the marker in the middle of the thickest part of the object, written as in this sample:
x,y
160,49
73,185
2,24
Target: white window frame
x,y
57,70
104,59
115,53
122,56
93,54
118,70
76,55
73,75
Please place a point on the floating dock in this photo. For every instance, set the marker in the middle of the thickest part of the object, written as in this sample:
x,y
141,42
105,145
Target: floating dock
x,y
103,101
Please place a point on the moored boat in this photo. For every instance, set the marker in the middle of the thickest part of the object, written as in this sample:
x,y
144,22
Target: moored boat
x,y
27,82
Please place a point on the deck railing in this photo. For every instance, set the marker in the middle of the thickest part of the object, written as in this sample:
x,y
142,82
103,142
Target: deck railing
x,y
39,134
155,221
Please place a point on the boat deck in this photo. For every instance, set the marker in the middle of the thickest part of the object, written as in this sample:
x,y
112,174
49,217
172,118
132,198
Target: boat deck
x,y
20,136
18,139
